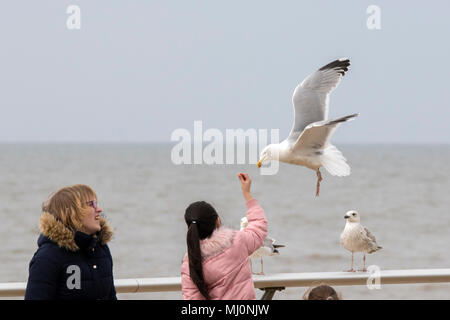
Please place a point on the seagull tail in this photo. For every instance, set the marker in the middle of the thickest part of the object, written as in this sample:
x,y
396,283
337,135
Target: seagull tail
x,y
334,162
375,249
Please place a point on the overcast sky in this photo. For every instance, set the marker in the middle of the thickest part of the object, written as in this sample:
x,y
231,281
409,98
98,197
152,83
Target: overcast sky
x,y
138,70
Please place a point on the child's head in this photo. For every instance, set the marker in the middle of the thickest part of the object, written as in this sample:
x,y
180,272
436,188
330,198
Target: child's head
x,y
203,216
321,292
201,219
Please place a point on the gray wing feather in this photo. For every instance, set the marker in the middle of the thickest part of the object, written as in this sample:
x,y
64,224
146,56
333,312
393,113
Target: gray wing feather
x,y
369,235
317,135
372,242
268,242
311,97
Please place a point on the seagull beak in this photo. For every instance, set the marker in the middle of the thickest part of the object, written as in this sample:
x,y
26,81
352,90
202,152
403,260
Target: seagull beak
x,y
259,164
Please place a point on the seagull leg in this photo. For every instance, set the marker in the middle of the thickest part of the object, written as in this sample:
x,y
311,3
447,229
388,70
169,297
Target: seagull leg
x,y
364,259
319,178
261,273
262,267
351,269
364,268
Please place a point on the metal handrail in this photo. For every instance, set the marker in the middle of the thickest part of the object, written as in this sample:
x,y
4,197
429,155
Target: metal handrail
x,y
17,289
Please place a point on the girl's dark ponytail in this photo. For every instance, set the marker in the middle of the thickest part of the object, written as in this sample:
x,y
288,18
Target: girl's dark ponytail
x,y
195,259
201,220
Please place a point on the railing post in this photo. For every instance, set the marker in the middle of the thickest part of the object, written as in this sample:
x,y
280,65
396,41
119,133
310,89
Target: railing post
x,y
270,292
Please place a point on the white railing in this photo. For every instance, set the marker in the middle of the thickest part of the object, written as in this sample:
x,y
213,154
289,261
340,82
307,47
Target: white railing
x,y
281,280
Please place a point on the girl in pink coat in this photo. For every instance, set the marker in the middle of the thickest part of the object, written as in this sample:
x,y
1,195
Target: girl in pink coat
x,y
216,265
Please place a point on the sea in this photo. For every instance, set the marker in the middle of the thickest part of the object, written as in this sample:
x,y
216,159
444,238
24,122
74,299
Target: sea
x,y
400,191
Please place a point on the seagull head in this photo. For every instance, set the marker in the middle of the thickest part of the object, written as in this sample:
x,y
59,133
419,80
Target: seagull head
x,y
268,153
352,216
244,223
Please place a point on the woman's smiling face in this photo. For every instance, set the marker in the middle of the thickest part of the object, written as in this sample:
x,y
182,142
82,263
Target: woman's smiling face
x,y
91,221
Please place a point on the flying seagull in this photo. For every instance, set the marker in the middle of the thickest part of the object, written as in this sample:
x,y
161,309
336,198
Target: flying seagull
x,y
268,248
308,143
357,238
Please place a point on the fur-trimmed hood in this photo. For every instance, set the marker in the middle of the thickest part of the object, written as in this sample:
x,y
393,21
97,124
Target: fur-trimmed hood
x,y
220,239
57,232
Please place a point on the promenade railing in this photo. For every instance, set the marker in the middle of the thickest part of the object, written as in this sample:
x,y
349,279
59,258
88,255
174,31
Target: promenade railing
x,y
273,282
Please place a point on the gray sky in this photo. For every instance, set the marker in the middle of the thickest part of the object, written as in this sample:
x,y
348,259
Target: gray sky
x,y
137,70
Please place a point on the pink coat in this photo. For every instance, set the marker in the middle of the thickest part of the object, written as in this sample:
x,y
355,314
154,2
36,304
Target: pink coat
x,y
226,267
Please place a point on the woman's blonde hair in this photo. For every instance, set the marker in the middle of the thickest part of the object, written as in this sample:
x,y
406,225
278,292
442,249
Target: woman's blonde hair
x,y
70,204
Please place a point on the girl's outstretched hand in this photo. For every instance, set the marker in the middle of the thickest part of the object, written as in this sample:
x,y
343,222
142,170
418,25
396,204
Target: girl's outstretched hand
x,y
245,185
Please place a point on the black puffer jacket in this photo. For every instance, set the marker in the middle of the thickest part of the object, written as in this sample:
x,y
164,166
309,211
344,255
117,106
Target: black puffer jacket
x,y
70,265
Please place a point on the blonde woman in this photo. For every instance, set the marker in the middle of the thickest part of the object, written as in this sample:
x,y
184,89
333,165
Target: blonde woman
x,y
73,260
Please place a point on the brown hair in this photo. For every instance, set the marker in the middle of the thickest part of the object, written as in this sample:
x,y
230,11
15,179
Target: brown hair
x,y
69,205
321,292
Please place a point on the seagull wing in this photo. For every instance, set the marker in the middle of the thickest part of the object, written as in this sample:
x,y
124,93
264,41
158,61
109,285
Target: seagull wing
x,y
317,135
311,97
268,242
369,235
267,249
372,242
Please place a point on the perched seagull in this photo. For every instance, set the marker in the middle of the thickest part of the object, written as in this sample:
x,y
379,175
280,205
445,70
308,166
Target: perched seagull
x,y
357,238
268,248
308,142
